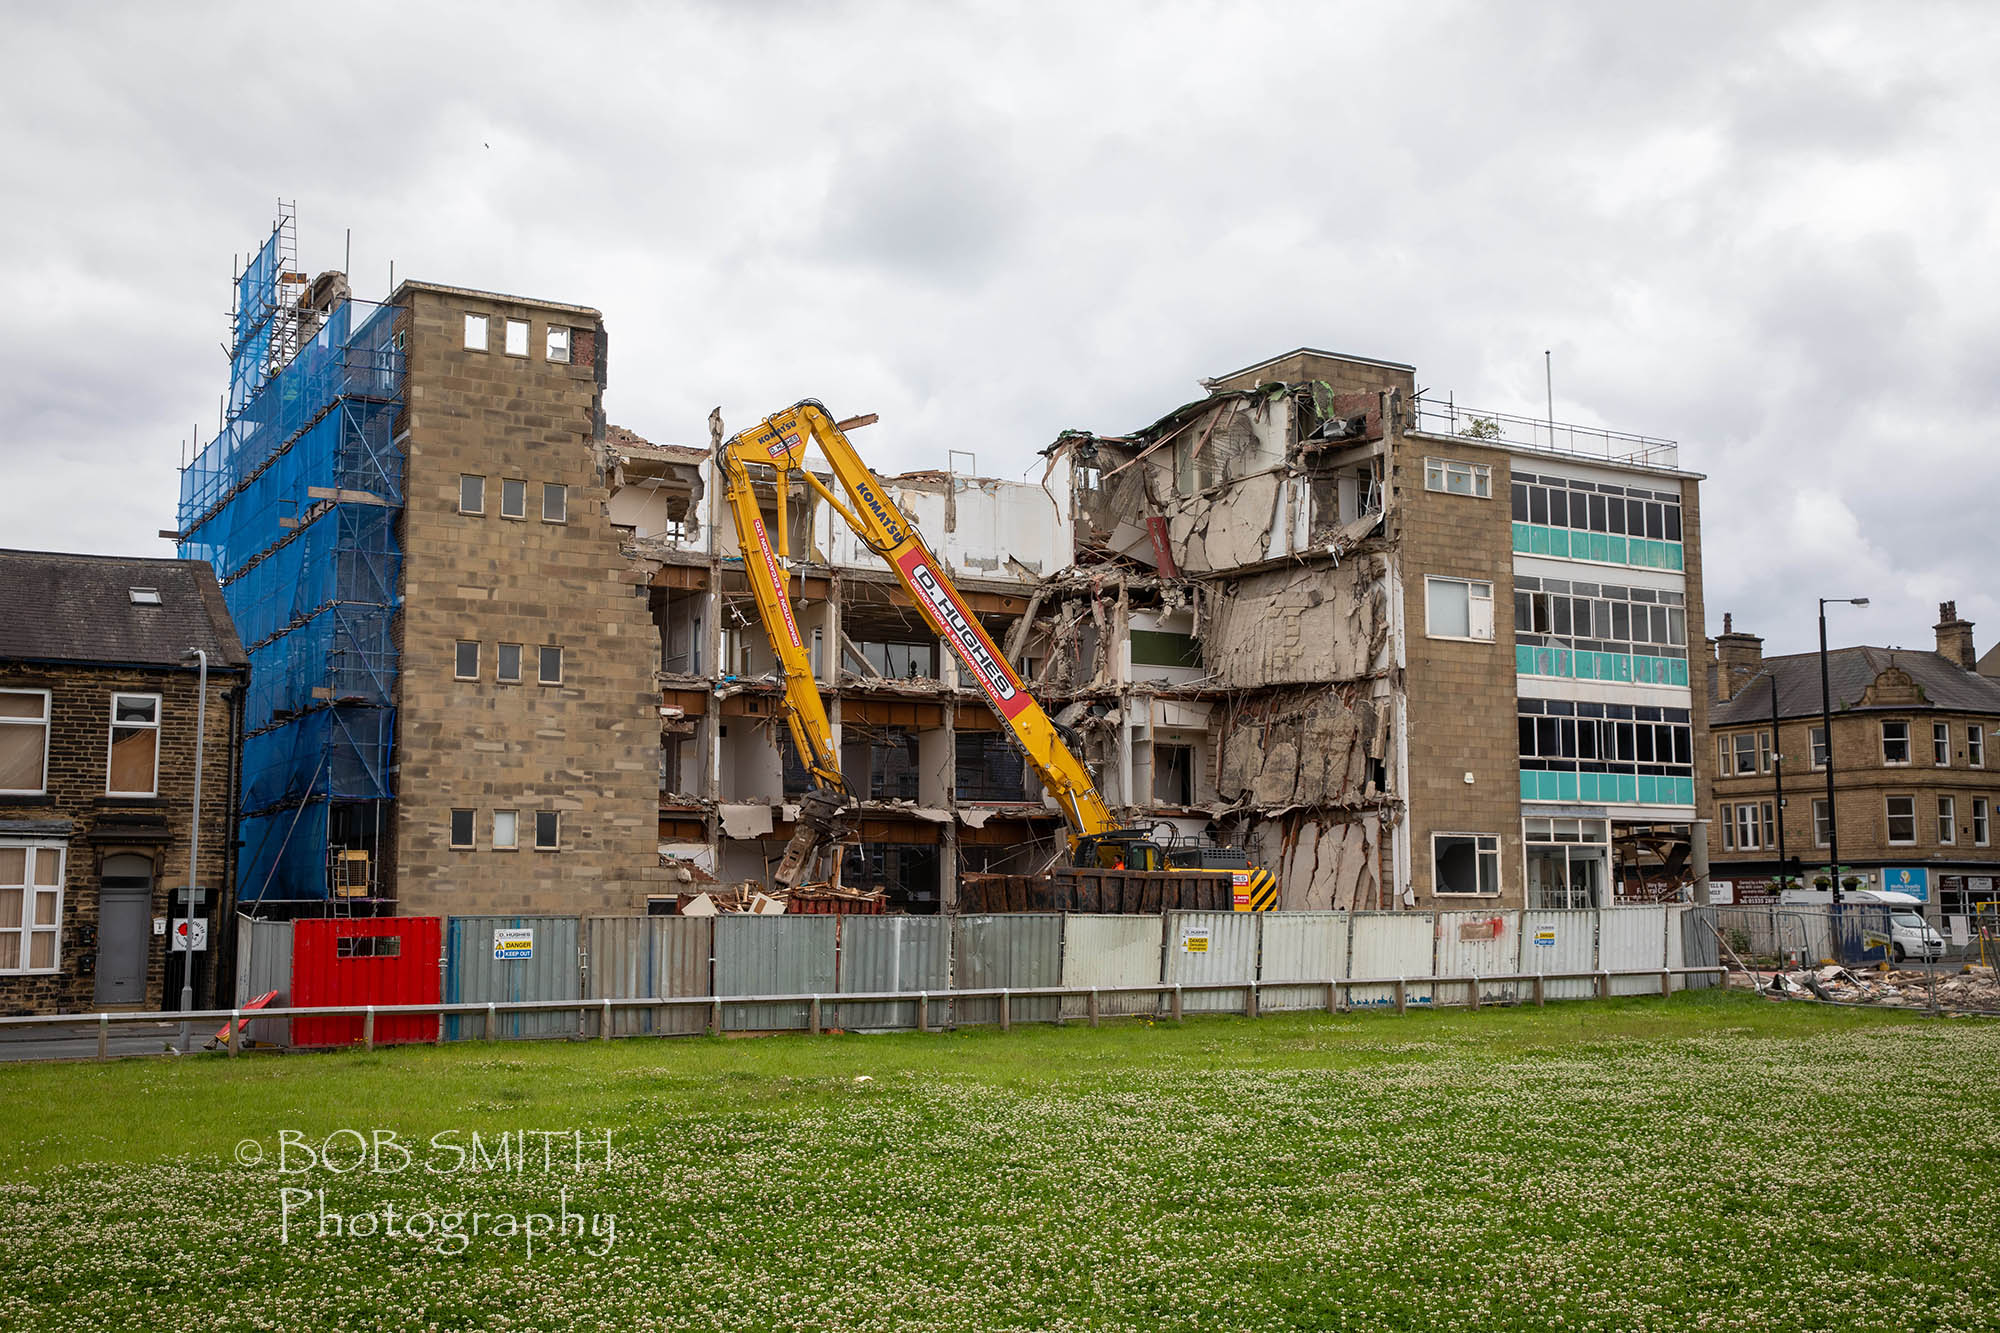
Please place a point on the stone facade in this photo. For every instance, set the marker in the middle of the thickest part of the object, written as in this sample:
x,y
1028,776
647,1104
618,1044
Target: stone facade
x,y
76,815
585,747
1460,694
1887,703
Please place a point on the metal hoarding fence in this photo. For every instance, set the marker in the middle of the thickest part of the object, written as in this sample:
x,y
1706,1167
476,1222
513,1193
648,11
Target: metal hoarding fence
x,y
264,964
1629,938
1105,951
773,955
633,957
1013,949
1213,946
1299,947
1479,944
894,953
1392,944
1560,940
489,959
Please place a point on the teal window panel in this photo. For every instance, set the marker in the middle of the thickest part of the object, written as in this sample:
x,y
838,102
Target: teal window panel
x,y
1585,664
1562,663
1623,666
1675,556
1649,790
1587,786
1566,786
1538,541
1642,669
1614,550
1521,539
1524,660
1628,786
1558,541
1528,787
1680,672
1683,791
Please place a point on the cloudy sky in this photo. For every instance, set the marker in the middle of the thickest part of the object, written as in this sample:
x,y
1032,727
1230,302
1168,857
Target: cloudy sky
x,y
1766,231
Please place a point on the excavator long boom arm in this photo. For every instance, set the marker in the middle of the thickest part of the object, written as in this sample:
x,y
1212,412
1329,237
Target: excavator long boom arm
x,y
780,442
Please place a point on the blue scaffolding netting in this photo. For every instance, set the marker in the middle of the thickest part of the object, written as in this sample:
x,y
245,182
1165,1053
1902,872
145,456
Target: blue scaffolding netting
x,y
295,504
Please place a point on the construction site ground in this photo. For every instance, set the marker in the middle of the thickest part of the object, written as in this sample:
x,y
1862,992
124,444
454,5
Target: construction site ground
x,y
1709,1159
1948,987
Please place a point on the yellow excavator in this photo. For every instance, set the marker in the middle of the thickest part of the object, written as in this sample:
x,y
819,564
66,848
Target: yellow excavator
x,y
779,442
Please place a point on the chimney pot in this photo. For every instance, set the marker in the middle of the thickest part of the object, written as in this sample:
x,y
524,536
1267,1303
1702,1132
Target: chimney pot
x,y
1954,637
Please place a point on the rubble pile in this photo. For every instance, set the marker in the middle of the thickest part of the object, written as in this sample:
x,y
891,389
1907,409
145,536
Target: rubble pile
x,y
1973,988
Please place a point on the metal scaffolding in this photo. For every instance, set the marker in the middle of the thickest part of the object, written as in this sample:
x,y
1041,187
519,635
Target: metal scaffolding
x,y
295,504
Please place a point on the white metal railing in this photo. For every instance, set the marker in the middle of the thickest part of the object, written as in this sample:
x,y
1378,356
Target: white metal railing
x,y
1338,991
1542,435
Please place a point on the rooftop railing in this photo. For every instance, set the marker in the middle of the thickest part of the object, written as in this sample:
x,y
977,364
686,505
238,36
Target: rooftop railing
x,y
1541,435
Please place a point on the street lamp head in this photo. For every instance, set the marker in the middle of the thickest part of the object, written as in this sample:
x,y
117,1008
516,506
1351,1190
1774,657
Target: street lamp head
x,y
1857,601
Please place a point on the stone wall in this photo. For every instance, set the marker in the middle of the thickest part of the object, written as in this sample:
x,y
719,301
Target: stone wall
x,y
156,828
586,748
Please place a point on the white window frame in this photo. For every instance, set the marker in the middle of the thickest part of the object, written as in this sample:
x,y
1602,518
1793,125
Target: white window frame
x,y
478,334
1726,813
111,739
1439,473
513,842
1747,828
541,661
1745,742
556,345
519,510
1947,817
464,477
1887,762
1725,757
561,494
471,825
1476,592
1889,820
1480,852
1821,828
1818,750
27,930
45,723
1981,827
500,675
514,338
555,846
1975,745
457,644
1941,744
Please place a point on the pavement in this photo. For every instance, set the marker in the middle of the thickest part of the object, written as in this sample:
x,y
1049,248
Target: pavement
x,y
78,1041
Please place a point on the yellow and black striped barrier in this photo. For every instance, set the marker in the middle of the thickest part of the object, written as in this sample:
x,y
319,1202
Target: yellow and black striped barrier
x,y
1256,890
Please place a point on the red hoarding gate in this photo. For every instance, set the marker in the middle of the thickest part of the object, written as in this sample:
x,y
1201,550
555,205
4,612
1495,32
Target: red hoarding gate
x,y
378,960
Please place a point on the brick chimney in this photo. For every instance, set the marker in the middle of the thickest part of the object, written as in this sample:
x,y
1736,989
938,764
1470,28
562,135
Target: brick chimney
x,y
1954,637
1739,657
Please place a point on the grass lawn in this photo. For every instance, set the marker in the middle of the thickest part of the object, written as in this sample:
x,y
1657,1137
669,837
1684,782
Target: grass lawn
x,y
1708,1161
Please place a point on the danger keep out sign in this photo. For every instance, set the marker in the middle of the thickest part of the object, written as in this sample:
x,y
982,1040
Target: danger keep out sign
x,y
1194,940
508,944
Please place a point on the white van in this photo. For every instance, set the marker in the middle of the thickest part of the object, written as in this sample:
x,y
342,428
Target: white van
x,y
1911,935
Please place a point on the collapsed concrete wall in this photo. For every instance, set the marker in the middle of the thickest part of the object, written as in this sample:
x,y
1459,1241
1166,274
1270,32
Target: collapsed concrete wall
x,y
1320,747
1323,863
1313,623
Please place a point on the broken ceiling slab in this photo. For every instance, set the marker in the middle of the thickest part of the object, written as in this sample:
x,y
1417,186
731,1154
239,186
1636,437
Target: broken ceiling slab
x,y
745,821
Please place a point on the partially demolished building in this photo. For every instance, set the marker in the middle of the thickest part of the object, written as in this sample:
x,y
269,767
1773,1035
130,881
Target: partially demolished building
x,y
1404,652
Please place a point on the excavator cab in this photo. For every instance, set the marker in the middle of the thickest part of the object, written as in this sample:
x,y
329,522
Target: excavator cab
x,y
1120,849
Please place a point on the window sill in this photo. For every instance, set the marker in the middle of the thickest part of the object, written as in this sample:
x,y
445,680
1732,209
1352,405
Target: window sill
x,y
55,971
146,799
1455,638
41,797
1470,897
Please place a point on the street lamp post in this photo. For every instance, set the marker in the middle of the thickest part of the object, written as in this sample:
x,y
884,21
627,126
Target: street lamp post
x,y
194,845
1826,731
1777,769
